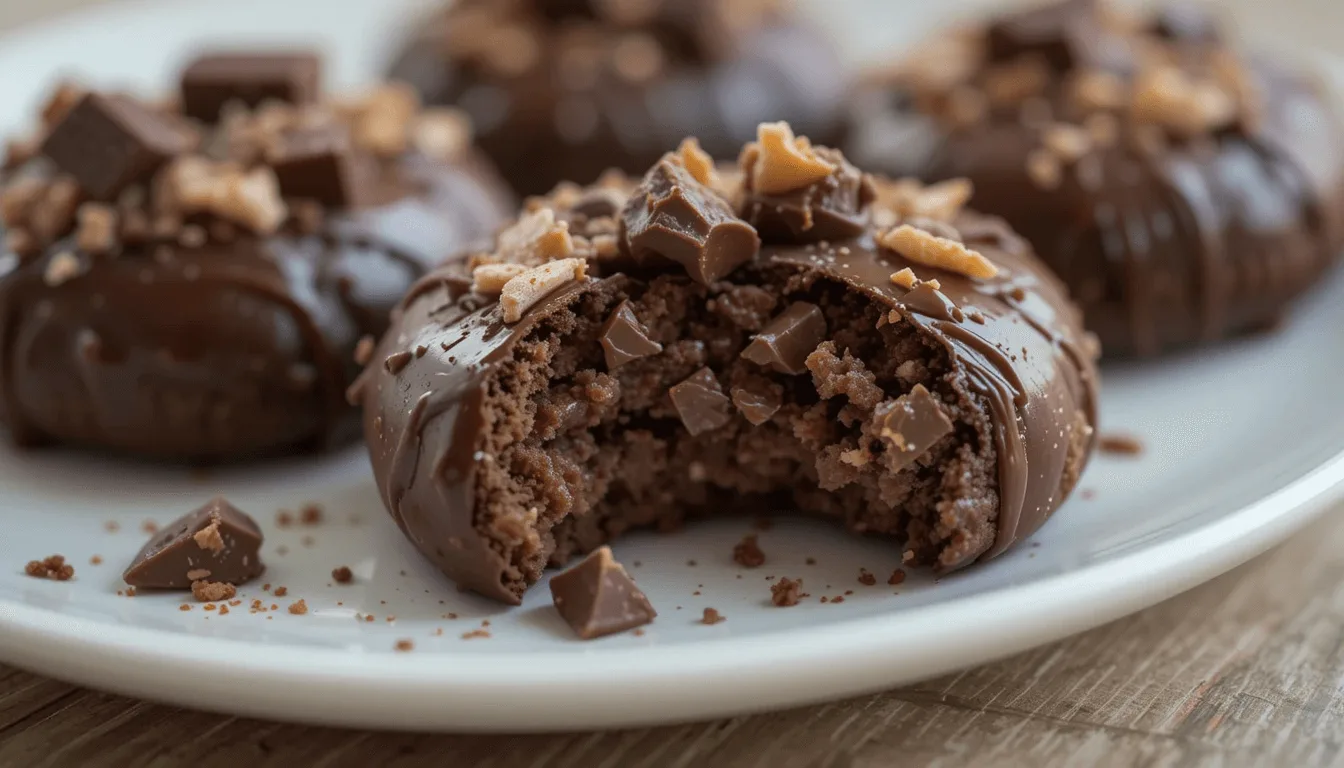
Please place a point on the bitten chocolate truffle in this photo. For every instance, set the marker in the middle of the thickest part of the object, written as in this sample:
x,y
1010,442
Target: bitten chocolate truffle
x,y
920,376
561,90
195,291
1185,192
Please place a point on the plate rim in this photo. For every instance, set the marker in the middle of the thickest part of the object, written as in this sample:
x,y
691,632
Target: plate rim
x,y
700,680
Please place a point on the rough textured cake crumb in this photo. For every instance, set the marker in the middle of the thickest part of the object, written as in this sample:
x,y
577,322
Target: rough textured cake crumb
x,y
747,553
404,646
53,567
897,577
786,592
299,608
209,537
712,616
866,577
342,575
212,591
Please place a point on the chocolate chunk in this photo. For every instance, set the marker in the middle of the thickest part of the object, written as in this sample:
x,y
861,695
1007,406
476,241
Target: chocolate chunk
x,y
597,597
784,344
1186,22
216,543
109,142
214,80
624,339
700,402
834,208
757,403
910,425
676,217
319,163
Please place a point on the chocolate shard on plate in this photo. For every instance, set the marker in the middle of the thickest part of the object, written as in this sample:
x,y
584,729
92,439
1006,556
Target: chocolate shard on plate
x,y
318,163
757,403
217,543
676,217
623,338
700,402
786,341
213,80
597,597
834,208
108,142
910,425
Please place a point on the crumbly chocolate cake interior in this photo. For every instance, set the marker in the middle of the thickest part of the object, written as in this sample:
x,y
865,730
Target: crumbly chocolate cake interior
x,y
583,454
796,336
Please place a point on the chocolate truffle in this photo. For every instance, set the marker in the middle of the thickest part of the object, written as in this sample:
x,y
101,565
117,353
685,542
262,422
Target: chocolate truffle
x,y
195,291
564,89
1183,191
922,378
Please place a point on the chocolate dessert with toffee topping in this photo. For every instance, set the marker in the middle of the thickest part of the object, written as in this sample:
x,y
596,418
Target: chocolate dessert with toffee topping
x,y
561,90
1184,192
807,337
191,282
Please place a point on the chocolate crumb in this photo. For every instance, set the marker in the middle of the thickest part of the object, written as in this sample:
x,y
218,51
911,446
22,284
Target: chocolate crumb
x,y
866,577
212,591
53,567
184,607
404,646
786,592
811,561
96,560
476,634
897,577
281,591
284,518
112,526
310,514
747,553
149,526
342,575
712,617
299,608
1120,445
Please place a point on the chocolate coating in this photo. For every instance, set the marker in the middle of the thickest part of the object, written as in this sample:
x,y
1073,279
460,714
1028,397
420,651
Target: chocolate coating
x,y
1194,239
1026,357
232,350
553,100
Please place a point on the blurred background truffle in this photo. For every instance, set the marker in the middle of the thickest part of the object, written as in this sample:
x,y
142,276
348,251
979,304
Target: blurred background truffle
x,y
1184,191
563,89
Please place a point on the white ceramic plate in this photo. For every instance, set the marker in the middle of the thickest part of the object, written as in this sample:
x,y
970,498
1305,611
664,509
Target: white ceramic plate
x,y
1244,445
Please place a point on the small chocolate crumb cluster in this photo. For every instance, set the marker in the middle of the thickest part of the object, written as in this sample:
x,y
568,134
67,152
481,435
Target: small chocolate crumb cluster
x,y
53,567
584,85
200,269
1185,191
789,330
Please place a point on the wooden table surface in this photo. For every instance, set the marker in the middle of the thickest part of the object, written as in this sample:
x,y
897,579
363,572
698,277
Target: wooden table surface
x,y
1245,670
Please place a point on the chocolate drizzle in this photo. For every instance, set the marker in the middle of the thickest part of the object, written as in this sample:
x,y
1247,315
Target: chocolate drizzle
x,y
427,427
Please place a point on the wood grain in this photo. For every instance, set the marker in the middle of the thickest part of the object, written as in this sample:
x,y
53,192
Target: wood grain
x,y
1245,670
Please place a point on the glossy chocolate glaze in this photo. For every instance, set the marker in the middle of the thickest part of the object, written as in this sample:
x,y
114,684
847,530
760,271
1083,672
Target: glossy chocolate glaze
x,y
1205,239
1015,340
544,126
227,351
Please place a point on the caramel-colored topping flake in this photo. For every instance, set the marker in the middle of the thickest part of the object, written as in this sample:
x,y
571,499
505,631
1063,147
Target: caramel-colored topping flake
x,y
441,133
522,292
534,239
909,198
490,279
383,122
1044,169
930,250
1069,142
97,231
778,162
1168,97
62,268
697,162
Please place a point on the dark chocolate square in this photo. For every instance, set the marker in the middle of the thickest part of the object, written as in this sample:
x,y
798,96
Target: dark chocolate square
x,y
213,80
318,163
108,142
